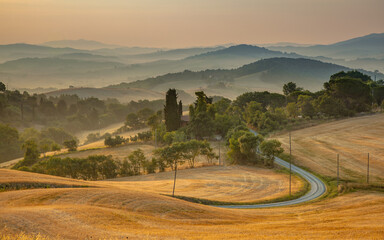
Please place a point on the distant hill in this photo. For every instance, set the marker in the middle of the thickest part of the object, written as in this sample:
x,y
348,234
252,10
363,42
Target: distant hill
x,y
79,44
44,66
67,66
361,47
124,95
266,74
234,56
173,54
56,72
30,65
21,50
89,57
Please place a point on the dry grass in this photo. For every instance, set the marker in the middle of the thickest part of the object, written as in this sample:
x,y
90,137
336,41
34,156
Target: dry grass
x,y
317,147
117,214
231,184
118,210
12,176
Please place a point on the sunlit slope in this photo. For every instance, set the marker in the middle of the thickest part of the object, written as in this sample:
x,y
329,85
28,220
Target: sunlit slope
x,y
25,179
317,147
231,184
116,214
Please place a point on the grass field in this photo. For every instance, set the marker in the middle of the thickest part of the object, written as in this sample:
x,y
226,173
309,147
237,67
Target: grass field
x,y
317,147
115,213
230,184
135,207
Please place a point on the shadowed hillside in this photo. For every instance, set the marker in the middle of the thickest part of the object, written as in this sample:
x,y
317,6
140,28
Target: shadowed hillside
x,y
361,47
270,73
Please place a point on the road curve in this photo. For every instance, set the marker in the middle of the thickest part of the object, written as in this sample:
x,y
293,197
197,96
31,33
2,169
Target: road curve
x,y
318,188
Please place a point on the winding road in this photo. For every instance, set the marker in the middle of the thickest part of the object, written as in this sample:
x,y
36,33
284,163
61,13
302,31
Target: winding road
x,y
318,188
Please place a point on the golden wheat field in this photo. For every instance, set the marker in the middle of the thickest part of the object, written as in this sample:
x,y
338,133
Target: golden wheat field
x,y
116,213
217,183
317,147
138,208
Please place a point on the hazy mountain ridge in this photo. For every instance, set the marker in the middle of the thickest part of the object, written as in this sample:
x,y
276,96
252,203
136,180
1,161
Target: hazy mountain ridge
x,y
79,44
22,50
123,95
371,45
116,71
272,72
61,67
32,66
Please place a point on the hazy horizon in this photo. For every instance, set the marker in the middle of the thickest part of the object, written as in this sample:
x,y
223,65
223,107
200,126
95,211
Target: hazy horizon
x,y
183,23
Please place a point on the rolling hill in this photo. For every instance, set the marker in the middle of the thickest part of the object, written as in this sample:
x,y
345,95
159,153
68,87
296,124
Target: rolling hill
x,y
73,67
21,50
361,47
124,95
267,74
78,44
61,67
173,54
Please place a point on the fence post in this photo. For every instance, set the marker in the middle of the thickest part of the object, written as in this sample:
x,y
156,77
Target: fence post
x,y
368,170
338,170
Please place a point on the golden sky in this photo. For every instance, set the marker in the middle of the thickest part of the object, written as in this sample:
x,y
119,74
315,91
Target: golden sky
x,y
181,23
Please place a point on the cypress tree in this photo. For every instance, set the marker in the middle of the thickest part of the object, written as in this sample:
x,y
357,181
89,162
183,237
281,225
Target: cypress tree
x,y
180,110
171,111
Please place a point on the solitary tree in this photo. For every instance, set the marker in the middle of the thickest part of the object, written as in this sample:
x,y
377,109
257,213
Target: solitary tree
x,y
71,145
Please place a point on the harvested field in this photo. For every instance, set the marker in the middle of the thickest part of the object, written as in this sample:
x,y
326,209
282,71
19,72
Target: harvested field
x,y
230,184
317,147
117,213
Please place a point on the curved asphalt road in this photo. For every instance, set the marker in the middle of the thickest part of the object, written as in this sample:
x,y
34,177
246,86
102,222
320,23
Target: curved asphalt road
x,y
317,188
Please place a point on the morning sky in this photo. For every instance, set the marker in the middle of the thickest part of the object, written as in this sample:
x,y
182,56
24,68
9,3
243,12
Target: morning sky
x,y
182,23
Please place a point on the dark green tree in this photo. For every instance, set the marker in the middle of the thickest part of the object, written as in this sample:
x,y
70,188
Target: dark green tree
x,y
289,88
270,148
171,111
71,145
10,147
133,121
2,87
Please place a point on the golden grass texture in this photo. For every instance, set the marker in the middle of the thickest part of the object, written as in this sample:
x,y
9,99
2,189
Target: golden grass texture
x,y
101,213
217,183
317,147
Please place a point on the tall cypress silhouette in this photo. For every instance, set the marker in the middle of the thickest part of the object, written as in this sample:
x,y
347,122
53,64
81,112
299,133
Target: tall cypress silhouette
x,y
171,111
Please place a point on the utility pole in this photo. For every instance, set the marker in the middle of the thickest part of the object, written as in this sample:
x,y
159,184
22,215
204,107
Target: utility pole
x,y
174,180
368,170
156,138
337,170
290,164
219,154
